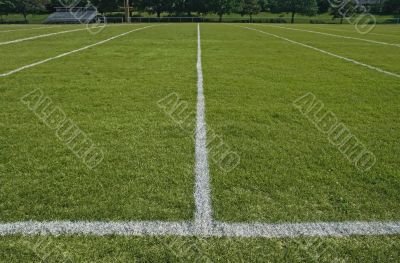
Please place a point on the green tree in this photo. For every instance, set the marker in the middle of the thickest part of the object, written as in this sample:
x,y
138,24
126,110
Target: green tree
x,y
222,7
346,10
6,7
392,7
250,7
323,6
155,6
198,6
26,7
263,5
107,6
303,7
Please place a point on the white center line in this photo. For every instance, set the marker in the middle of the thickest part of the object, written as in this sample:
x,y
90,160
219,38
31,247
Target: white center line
x,y
69,53
42,36
203,215
327,52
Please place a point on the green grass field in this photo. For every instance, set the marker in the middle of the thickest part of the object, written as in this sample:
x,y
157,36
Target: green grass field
x,y
289,172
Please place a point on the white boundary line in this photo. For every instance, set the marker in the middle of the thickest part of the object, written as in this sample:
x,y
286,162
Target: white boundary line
x,y
97,228
27,29
218,229
69,53
326,52
334,35
341,30
319,229
42,36
203,215
203,224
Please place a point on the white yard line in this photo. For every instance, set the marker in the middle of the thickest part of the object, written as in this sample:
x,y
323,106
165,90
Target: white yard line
x,y
27,29
69,53
327,52
318,229
219,229
338,36
97,228
203,215
42,36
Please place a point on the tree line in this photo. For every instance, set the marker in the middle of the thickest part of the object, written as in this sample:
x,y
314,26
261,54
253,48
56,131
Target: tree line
x,y
197,7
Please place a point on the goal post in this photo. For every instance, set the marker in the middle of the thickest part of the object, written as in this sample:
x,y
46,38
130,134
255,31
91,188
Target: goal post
x,y
127,11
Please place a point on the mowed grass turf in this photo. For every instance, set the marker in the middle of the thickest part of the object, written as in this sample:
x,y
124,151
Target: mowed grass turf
x,y
7,34
111,93
20,54
289,172
383,56
389,33
185,249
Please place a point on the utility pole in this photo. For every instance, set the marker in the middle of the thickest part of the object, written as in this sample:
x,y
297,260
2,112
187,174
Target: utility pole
x,y
127,12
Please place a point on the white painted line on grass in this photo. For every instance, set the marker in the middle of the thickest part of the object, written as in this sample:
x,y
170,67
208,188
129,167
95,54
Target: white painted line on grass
x,y
203,224
320,229
333,35
219,229
97,228
202,195
327,53
42,36
27,29
341,30
69,53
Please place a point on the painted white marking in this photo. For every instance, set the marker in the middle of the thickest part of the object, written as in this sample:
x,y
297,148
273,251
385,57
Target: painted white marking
x,y
160,228
333,35
341,30
319,229
327,53
203,224
27,29
132,228
42,36
203,215
69,53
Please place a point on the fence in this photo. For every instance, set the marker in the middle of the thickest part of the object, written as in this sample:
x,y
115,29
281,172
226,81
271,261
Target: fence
x,y
300,20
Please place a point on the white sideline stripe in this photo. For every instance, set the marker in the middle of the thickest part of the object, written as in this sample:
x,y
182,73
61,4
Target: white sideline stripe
x,y
327,52
334,35
26,29
219,229
41,36
370,33
203,214
69,53
329,229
